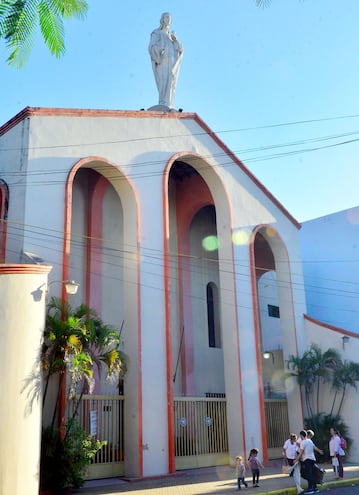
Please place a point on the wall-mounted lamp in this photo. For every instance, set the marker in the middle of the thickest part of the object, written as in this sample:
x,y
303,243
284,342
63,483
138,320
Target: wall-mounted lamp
x,y
345,340
71,286
268,355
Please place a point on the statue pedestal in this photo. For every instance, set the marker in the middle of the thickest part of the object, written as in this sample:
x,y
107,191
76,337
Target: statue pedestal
x,y
162,108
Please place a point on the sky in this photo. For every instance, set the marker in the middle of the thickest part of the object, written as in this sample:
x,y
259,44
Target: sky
x,y
279,85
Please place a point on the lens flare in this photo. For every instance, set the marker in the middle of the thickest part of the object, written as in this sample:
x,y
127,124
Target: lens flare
x,y
270,231
240,237
210,243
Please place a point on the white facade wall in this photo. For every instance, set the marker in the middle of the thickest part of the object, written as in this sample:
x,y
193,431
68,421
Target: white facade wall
x,y
330,251
139,147
13,166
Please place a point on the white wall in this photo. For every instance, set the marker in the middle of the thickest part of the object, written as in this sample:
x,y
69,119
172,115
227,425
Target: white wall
x,y
270,326
330,251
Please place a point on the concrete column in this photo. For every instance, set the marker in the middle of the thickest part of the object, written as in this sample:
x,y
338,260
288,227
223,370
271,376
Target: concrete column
x,y
154,356
22,313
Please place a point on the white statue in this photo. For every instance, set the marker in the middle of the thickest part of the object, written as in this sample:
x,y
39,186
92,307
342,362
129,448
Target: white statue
x,y
166,55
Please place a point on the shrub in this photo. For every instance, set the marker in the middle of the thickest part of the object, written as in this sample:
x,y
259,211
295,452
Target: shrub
x,y
321,424
64,461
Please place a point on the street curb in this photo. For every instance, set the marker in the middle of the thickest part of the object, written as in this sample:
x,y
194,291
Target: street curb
x,y
326,485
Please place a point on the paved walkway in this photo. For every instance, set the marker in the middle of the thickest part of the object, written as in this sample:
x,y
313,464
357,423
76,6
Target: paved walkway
x,y
214,481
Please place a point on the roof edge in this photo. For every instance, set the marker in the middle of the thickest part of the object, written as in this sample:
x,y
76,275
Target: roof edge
x,y
77,112
331,327
247,171
88,112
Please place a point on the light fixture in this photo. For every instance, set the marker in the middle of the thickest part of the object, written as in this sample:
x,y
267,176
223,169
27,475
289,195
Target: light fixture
x,y
345,340
71,286
268,355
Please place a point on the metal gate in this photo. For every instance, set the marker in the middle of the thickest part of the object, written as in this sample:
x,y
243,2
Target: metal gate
x,y
201,437
102,416
277,426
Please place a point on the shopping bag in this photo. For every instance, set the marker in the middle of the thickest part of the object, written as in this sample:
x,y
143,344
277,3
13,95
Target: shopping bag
x,y
318,474
335,461
286,469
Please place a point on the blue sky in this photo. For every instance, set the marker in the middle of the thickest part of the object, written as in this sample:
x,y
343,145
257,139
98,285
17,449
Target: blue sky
x,y
278,84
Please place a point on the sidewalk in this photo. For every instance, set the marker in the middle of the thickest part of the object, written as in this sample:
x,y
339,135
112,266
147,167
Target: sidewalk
x,y
215,481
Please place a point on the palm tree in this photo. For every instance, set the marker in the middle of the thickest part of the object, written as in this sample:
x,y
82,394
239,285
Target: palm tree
x,y
19,20
100,342
305,375
61,340
347,375
75,342
323,364
312,369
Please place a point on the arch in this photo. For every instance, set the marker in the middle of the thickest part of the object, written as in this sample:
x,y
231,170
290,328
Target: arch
x,y
268,253
213,192
103,174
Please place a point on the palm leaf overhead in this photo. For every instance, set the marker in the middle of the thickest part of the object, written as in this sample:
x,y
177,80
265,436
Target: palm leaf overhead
x,y
262,3
20,19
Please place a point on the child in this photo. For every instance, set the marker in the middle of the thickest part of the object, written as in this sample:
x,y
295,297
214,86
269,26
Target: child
x,y
254,464
240,472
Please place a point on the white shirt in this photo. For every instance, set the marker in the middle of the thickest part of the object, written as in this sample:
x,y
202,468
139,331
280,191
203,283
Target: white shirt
x,y
290,449
307,447
334,446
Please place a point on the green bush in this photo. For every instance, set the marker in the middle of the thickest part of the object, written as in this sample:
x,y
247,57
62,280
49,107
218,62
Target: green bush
x,y
321,424
64,461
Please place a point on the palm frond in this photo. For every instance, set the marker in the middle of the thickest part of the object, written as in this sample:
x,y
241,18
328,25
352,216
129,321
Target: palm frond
x,y
19,31
262,3
52,28
71,8
19,20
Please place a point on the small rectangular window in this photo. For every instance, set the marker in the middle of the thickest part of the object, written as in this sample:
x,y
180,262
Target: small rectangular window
x,y
273,311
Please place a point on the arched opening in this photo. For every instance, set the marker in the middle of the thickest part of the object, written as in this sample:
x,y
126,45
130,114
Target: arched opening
x,y
193,235
202,334
276,335
100,251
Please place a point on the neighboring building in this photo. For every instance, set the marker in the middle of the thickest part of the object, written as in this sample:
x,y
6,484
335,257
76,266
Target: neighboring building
x,y
330,253
168,232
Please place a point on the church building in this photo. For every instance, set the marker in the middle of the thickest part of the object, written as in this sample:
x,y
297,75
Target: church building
x,y
168,232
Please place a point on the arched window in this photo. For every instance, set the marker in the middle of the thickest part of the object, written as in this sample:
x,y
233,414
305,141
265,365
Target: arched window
x,y
214,333
4,206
